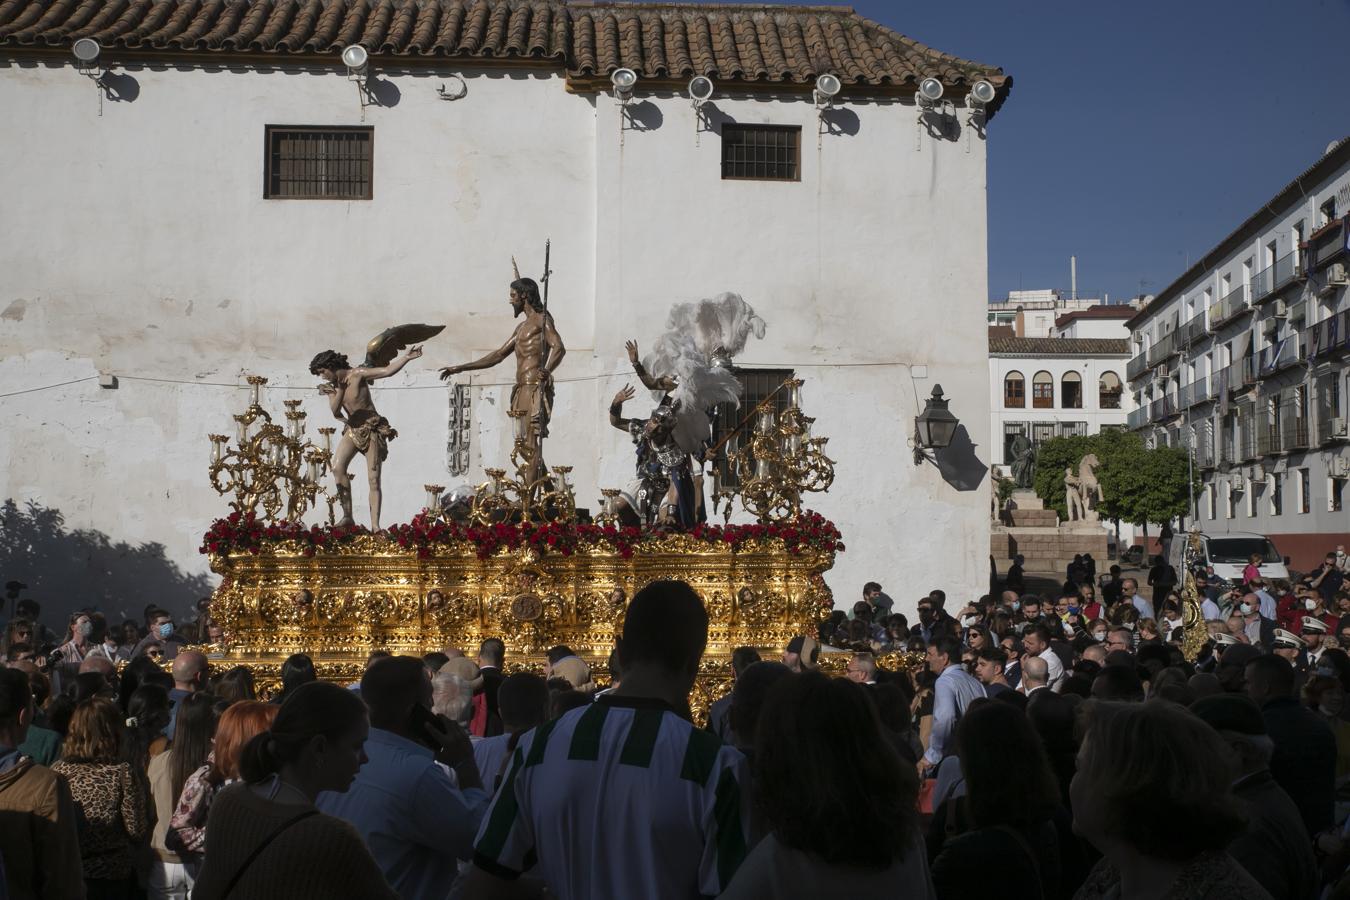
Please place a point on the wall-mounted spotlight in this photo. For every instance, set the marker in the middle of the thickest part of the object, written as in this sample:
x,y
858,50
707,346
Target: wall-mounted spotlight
x,y
356,59
624,80
827,88
700,90
982,93
86,52
930,91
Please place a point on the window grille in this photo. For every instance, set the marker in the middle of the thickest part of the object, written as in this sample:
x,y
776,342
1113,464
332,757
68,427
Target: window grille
x,y
306,163
761,152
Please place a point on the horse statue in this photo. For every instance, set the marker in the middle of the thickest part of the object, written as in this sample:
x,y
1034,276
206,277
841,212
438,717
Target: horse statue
x,y
1089,488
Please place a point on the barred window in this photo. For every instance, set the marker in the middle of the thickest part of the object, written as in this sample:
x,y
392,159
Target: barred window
x,y
761,152
756,384
312,163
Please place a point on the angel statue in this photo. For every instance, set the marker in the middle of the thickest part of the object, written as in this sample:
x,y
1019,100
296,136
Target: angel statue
x,y
691,364
348,392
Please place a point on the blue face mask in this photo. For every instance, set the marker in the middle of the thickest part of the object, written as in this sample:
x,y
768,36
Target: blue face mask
x,y
166,629
1073,610
1016,606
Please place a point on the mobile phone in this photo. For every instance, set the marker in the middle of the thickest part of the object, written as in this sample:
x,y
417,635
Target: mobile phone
x,y
418,720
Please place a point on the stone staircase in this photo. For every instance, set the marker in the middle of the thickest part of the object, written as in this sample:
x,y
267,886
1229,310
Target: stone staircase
x,y
1046,544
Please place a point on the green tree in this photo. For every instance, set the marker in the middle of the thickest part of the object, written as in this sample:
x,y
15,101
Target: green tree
x,y
1139,485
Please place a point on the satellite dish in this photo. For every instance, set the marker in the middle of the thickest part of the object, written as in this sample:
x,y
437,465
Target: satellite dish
x,y
86,50
982,92
624,80
700,89
828,86
930,89
355,58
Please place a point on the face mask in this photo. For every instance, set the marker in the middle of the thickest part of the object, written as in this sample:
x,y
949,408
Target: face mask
x,y
967,621
85,629
1016,606
1099,635
1073,610
1310,604
1246,609
166,629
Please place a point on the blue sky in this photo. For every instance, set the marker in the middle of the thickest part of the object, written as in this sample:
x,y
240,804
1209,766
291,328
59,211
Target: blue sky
x,y
1139,134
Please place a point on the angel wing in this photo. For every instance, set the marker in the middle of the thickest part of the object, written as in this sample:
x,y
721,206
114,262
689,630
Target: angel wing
x,y
385,346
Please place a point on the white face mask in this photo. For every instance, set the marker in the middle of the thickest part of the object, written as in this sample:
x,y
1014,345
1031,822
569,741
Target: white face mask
x,y
1099,635
1310,603
1246,609
967,621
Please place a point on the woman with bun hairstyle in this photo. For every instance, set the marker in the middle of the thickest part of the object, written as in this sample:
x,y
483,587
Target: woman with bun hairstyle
x,y
264,837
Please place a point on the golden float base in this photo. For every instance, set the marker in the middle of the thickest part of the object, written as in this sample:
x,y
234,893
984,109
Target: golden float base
x,y
341,603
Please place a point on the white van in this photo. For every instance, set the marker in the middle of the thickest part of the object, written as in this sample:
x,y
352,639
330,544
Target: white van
x,y
1229,553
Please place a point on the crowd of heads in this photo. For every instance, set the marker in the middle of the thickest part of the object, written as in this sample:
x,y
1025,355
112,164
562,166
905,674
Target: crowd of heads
x,y
1076,722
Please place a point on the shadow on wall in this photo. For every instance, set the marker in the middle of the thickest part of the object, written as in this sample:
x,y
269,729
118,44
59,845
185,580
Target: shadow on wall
x,y
959,465
66,570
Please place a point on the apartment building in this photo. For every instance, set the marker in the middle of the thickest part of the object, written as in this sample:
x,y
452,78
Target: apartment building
x,y
1243,359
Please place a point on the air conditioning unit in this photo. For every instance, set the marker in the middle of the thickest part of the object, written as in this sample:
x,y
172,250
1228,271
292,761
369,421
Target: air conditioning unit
x,y
1338,467
1280,309
1237,483
1335,277
1338,427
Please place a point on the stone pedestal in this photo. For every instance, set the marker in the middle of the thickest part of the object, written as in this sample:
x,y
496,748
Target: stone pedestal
x,y
1046,545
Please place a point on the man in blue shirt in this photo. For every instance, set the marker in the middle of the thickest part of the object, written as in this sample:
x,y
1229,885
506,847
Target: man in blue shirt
x,y
414,819
953,693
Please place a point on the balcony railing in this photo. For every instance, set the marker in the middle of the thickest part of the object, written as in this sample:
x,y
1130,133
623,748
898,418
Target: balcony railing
x,y
1267,441
1269,280
1277,356
1249,370
1137,418
1246,444
1196,392
1204,454
1194,329
1227,306
1328,337
1228,451
1162,408
1294,433
1136,367
1162,348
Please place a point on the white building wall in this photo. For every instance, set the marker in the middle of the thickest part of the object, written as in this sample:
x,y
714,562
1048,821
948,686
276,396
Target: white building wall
x,y
137,243
1091,417
1113,329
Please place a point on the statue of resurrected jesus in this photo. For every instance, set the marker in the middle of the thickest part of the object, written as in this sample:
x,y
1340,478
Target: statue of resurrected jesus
x,y
538,350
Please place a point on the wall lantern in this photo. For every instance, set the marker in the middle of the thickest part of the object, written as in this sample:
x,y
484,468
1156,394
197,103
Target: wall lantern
x,y
624,80
935,427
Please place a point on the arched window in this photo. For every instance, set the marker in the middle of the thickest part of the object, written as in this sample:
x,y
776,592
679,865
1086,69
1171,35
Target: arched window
x,y
1043,391
1014,391
1108,391
1071,391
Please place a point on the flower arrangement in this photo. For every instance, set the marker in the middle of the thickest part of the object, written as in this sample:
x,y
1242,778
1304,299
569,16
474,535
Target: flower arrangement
x,y
810,532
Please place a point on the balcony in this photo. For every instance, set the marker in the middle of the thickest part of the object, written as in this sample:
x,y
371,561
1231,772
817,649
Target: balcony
x,y
1267,441
1294,433
1268,282
1162,408
1327,243
1246,445
1204,454
1194,329
1329,337
1136,367
1227,452
1227,306
1195,392
1249,371
1162,348
1280,355
1137,418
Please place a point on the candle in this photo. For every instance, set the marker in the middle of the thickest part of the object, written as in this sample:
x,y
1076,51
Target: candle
x,y
764,424
795,392
242,423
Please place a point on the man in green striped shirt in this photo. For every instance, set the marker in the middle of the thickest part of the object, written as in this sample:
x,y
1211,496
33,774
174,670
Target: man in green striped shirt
x,y
623,797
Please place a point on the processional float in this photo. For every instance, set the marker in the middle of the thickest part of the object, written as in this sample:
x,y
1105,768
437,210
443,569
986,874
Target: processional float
x,y
515,557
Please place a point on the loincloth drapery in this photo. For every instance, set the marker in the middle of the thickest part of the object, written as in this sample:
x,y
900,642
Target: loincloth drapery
x,y
536,402
374,431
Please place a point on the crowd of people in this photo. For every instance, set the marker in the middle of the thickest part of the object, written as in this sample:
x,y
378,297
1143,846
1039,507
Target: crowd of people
x,y
1048,747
